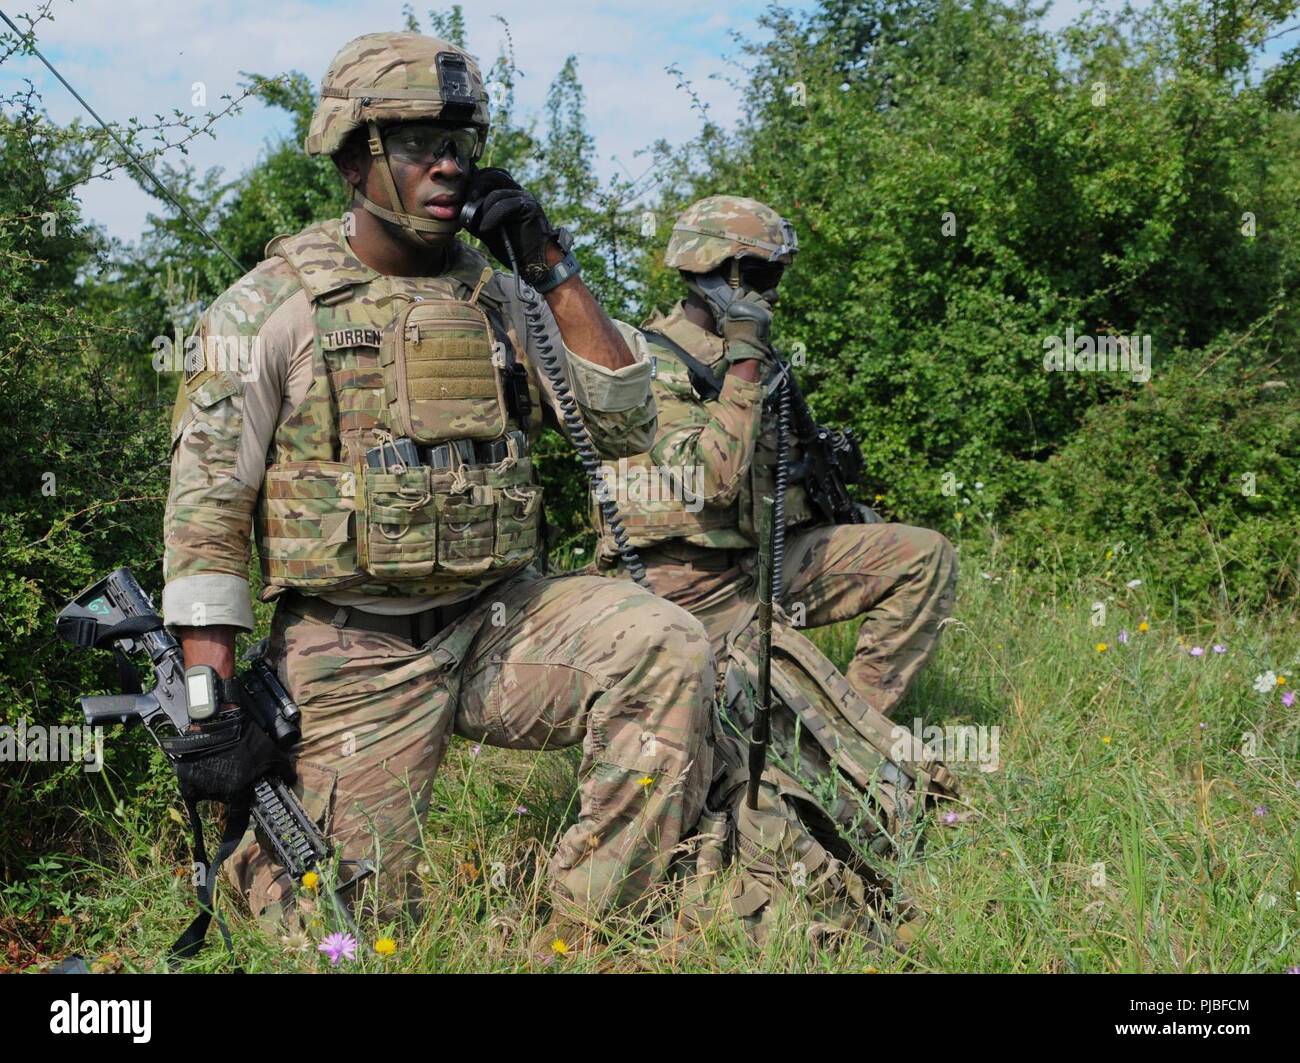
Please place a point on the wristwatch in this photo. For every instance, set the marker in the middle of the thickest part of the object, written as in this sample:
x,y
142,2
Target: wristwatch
x,y
205,691
564,269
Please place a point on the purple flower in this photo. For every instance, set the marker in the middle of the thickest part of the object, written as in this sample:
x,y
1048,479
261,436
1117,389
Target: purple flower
x,y
1261,810
1197,651
1122,637
475,750
1219,647
950,818
1202,726
521,810
339,946
1288,699
1293,970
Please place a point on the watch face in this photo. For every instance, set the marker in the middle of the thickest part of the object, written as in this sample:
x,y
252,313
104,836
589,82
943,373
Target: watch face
x,y
200,692
199,689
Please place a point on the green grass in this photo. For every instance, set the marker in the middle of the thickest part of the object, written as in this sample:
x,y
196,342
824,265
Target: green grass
x,y
1128,826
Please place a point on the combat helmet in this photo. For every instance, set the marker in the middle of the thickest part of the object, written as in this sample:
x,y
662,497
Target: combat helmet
x,y
713,230
387,77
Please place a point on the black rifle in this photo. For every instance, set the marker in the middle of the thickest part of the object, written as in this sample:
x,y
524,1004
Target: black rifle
x,y
116,614
830,460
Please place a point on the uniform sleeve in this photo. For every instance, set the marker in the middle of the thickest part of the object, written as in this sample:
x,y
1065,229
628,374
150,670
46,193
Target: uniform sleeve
x,y
617,405
220,435
716,438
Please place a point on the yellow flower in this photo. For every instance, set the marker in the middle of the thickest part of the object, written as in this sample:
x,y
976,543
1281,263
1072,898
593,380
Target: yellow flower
x,y
880,498
868,969
1144,626
560,947
385,946
957,516
310,880
1105,740
1101,647
1107,575
1281,680
1110,554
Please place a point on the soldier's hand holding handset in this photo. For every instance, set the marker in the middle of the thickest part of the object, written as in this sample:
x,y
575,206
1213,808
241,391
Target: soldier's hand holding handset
x,y
497,209
747,329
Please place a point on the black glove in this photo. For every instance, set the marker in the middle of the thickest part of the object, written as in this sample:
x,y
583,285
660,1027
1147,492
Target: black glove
x,y
747,326
223,760
506,210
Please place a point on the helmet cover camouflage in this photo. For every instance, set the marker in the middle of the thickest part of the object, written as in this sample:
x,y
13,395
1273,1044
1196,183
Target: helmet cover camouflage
x,y
718,228
387,77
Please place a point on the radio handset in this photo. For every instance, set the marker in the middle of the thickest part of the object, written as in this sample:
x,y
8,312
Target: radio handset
x,y
549,359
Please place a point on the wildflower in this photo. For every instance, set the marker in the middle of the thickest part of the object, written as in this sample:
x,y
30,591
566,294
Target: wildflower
x,y
310,881
1122,637
1293,970
1144,627
1101,647
339,946
1219,647
957,516
1288,699
1105,740
385,946
578,551
1110,554
1131,584
950,818
296,942
880,498
560,947
475,750
979,485
521,810
1265,682
1281,680
1197,651
1202,726
1261,810
868,969
646,780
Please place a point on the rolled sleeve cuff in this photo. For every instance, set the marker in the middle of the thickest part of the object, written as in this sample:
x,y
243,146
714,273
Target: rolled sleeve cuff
x,y
206,600
613,390
740,391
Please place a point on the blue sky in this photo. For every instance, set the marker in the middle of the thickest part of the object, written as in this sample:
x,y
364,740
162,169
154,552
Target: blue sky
x,y
141,57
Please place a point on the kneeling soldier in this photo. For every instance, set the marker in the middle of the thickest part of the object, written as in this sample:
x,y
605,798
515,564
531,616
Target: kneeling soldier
x,y
376,445
691,503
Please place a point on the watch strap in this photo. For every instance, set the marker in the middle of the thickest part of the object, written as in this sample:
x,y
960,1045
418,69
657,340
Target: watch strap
x,y
230,692
559,273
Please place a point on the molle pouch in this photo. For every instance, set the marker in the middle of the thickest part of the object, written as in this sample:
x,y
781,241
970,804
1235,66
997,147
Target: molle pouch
x,y
397,534
442,379
518,512
466,523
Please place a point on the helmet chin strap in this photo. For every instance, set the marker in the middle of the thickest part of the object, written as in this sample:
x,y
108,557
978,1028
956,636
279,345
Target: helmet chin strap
x,y
442,228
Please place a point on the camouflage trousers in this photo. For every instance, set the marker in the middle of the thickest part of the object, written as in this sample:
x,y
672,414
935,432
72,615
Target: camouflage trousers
x,y
534,664
899,579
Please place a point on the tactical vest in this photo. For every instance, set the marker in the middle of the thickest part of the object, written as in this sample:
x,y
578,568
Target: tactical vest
x,y
426,362
653,501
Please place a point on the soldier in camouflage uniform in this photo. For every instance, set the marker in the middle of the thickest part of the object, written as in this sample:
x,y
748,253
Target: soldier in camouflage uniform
x,y
365,412
691,503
